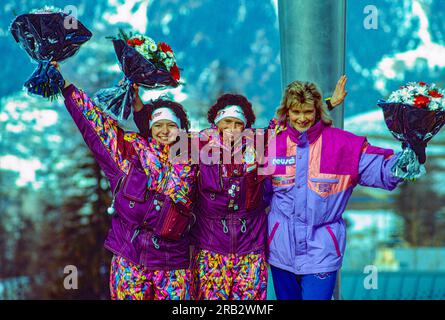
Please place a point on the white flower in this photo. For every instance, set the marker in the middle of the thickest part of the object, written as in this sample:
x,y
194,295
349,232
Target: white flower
x,y
406,95
394,97
168,63
144,46
410,91
153,47
403,95
147,40
409,101
163,55
422,90
145,53
435,104
170,54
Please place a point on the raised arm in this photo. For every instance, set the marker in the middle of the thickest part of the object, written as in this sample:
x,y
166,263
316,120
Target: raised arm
x,y
100,132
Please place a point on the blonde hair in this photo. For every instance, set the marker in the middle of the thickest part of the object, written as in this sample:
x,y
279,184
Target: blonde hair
x,y
300,93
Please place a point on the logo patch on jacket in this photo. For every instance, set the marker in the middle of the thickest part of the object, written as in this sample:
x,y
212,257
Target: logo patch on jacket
x,y
324,187
283,161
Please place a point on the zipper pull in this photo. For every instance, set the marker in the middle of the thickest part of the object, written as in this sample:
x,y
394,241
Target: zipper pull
x,y
135,234
154,239
110,209
225,228
243,227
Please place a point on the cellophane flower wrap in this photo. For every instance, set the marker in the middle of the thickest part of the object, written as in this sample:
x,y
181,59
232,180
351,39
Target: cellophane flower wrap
x,y
144,62
48,34
414,114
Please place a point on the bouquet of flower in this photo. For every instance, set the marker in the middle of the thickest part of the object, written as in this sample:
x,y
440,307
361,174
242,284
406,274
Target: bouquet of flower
x,y
161,55
143,62
44,35
414,114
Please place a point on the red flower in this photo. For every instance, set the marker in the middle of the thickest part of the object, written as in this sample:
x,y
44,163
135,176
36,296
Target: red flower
x,y
421,83
174,71
135,42
421,101
138,42
165,47
435,94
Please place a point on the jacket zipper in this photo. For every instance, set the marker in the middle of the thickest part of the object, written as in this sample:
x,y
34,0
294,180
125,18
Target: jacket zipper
x,y
232,234
220,177
111,210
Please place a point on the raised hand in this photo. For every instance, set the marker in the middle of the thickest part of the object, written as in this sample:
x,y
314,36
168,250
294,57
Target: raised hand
x,y
57,65
138,104
339,93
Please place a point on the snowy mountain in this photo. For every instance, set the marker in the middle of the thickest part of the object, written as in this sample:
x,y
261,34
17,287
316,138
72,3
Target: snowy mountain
x,y
223,46
234,46
408,45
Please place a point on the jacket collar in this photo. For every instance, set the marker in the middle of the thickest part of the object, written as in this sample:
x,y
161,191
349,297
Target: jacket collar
x,y
310,135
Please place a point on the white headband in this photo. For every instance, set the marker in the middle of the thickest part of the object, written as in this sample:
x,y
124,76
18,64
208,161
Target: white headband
x,y
231,111
164,114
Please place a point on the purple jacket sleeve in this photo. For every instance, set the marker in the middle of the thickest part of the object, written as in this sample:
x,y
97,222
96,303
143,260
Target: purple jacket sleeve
x,y
99,132
375,169
268,191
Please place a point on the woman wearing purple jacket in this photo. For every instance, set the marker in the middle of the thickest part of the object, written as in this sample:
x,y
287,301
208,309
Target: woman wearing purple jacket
x,y
316,168
229,261
230,234
152,197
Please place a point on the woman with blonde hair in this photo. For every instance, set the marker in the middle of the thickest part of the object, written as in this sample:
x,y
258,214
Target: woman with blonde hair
x,y
299,92
307,234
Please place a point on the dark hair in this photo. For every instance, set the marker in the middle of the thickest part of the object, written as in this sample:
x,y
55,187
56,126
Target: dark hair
x,y
142,118
232,99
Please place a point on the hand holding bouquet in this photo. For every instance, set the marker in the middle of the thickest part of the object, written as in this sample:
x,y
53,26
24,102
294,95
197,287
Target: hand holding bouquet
x,y
45,36
144,63
414,114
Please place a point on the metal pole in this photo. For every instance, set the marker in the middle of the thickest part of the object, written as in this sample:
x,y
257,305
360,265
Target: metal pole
x,y
312,36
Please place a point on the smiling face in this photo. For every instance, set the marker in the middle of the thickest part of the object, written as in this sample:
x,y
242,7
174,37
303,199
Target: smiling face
x,y
302,106
164,131
230,125
302,116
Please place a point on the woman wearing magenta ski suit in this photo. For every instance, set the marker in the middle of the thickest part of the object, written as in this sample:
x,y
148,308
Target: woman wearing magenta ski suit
x,y
229,235
151,198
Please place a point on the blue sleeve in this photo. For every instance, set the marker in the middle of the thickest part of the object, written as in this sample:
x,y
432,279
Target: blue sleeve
x,y
375,171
